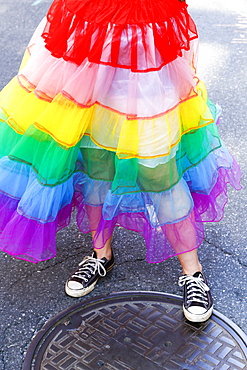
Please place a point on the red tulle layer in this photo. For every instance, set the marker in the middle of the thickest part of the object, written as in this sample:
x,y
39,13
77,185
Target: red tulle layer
x,y
140,35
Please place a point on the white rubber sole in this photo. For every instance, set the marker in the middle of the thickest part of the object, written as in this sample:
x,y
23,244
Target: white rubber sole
x,y
80,292
198,318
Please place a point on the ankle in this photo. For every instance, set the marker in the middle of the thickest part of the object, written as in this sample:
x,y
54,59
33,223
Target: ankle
x,y
103,252
192,270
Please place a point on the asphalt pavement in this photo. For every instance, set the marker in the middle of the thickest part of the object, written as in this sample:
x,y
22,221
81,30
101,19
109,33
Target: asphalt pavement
x,y
31,294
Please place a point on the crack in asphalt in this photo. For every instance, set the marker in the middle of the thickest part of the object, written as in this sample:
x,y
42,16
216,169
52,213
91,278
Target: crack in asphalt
x,y
131,261
244,264
32,273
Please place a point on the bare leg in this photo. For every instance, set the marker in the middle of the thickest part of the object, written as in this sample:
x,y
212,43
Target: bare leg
x,y
190,262
103,239
106,251
182,236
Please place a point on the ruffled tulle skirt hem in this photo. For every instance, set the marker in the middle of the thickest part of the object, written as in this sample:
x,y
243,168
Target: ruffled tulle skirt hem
x,y
35,241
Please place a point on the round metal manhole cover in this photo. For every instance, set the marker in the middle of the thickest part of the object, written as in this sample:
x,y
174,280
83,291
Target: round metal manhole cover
x,y
139,331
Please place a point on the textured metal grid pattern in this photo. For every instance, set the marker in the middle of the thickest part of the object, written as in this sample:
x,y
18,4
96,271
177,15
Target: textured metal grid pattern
x,y
141,334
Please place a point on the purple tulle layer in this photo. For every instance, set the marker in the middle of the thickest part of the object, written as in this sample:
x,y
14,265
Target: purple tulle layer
x,y
33,241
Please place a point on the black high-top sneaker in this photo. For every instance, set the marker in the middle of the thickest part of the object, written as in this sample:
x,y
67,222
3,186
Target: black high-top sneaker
x,y
84,279
198,302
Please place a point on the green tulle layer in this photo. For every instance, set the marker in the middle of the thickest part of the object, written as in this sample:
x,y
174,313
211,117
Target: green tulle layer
x,y
54,164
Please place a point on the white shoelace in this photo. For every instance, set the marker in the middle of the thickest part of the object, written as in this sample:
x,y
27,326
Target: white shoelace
x,y
88,267
196,288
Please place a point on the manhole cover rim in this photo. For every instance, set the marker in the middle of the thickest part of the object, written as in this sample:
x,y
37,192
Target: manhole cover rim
x,y
116,297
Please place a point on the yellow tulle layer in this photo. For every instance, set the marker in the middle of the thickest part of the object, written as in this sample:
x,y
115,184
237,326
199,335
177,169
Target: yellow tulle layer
x,y
66,122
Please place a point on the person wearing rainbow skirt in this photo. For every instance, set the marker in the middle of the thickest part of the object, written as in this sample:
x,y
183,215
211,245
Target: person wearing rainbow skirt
x,y
107,116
